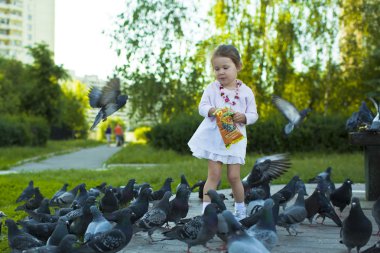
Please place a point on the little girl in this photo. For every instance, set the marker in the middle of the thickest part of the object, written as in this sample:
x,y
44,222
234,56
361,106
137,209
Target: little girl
x,y
207,142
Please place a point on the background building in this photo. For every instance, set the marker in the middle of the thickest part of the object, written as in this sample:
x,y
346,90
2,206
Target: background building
x,y
24,23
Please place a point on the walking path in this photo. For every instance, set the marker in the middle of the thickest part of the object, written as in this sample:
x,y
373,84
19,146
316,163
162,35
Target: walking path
x,y
88,158
316,238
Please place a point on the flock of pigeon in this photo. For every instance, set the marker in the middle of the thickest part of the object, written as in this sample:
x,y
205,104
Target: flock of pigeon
x,y
106,218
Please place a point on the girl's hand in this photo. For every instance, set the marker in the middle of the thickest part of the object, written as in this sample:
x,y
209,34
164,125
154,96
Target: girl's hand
x,y
239,118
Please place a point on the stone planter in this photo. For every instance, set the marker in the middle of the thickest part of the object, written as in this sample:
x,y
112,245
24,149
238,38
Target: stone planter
x,y
370,140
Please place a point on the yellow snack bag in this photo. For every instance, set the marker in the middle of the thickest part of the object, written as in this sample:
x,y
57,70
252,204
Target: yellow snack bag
x,y
227,128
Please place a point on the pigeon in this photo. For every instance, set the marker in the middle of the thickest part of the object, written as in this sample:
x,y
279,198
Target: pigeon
x,y
67,198
288,191
216,199
59,193
375,125
81,217
140,206
42,217
109,202
294,214
66,245
352,123
265,229
357,228
32,203
200,184
179,206
373,249
18,240
98,189
365,116
325,179
155,217
60,231
183,182
27,193
157,195
290,112
238,240
98,225
111,241
197,231
109,99
41,231
44,207
126,194
80,199
265,170
123,223
341,197
376,214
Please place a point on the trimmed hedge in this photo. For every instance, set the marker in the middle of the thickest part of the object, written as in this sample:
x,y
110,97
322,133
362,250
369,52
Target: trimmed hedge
x,y
21,130
316,133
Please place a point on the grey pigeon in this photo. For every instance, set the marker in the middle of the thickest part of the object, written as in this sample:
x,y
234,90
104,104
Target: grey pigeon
x,y
18,240
265,170
65,246
216,199
238,240
265,229
294,214
341,197
41,231
108,203
44,207
376,214
126,194
155,217
110,241
290,112
157,195
109,100
67,198
42,217
198,230
27,193
200,184
140,206
59,192
32,203
375,125
60,231
183,182
179,206
98,225
82,195
327,186
357,228
288,191
373,249
81,217
123,223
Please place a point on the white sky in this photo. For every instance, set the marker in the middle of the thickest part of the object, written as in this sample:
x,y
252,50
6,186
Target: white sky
x,y
80,44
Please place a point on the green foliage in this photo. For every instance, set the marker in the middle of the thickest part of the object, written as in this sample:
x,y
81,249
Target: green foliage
x,y
44,96
140,133
175,134
23,130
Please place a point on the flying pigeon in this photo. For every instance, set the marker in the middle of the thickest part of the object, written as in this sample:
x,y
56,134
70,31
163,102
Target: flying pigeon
x,y
109,100
357,228
265,170
290,112
376,214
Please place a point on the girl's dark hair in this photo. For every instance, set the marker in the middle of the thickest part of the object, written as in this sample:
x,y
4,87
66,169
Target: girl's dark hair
x,y
228,51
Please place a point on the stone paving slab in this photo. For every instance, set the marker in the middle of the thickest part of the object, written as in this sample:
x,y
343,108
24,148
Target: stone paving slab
x,y
316,238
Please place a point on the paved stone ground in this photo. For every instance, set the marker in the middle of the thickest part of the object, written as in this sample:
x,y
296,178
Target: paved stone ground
x,y
316,238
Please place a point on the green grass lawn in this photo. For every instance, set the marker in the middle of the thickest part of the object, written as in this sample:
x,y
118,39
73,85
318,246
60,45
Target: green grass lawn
x,y
9,156
169,163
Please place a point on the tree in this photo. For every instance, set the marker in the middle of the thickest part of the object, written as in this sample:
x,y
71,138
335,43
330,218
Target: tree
x,y
155,37
43,94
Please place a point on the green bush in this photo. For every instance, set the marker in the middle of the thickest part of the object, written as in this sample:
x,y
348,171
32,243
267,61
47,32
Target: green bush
x,y
175,134
316,133
22,130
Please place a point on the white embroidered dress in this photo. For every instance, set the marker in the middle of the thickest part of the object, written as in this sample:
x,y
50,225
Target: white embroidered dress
x,y
207,141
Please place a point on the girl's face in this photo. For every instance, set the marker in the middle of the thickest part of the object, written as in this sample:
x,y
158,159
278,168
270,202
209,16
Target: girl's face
x,y
225,71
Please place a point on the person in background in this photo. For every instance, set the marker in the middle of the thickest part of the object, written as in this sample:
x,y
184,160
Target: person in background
x,y
207,142
119,135
108,134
